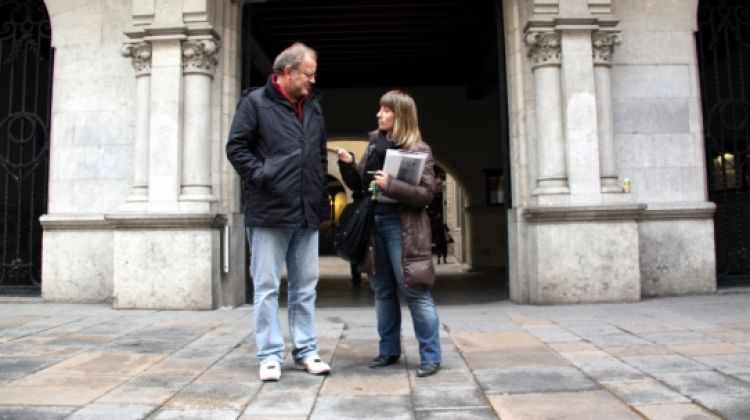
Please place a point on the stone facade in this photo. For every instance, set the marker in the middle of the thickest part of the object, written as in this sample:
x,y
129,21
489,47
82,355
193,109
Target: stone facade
x,y
599,94
138,155
141,197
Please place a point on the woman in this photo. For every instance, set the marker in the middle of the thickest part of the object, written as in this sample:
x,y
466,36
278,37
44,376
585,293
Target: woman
x,y
401,240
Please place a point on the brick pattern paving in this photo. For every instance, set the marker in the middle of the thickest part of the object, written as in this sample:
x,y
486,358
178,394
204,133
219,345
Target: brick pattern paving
x,y
659,359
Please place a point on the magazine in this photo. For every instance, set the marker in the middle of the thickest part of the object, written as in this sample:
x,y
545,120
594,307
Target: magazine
x,y
404,166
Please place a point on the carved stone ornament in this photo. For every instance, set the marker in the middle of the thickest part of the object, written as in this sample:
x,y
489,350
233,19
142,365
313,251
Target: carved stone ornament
x,y
200,56
141,55
604,46
544,48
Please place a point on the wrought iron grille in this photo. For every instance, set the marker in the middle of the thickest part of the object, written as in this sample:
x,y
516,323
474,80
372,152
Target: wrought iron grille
x,y
25,90
723,42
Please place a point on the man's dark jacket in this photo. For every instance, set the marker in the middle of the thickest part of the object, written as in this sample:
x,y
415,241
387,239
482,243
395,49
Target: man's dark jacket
x,y
281,159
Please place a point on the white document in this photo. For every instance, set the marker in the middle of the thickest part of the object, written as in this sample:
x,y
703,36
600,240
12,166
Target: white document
x,y
404,166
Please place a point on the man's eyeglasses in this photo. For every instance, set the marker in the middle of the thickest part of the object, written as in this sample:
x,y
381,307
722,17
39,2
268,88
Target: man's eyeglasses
x,y
308,75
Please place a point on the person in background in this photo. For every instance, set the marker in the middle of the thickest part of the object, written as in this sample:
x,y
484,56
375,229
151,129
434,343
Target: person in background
x,y
277,145
400,256
440,237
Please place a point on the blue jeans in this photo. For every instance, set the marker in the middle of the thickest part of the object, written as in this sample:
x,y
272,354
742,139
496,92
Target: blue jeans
x,y
271,248
388,279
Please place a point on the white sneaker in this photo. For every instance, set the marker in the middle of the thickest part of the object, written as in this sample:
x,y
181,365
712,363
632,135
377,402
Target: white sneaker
x,y
270,371
314,365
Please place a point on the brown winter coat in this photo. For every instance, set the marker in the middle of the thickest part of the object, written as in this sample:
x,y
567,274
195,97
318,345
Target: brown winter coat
x,y
416,234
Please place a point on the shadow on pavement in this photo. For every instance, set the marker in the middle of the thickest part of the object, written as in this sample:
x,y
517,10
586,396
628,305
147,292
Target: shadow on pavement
x,y
453,287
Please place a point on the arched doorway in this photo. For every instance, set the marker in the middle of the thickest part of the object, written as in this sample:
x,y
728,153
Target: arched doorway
x,y
723,42
445,53
26,59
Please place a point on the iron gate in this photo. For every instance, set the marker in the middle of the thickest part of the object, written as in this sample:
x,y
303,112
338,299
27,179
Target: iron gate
x,y
723,42
25,92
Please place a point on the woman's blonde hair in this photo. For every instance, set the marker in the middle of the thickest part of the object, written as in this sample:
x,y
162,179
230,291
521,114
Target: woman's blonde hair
x,y
405,132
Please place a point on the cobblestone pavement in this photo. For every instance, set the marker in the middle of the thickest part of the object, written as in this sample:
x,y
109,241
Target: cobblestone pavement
x,y
667,358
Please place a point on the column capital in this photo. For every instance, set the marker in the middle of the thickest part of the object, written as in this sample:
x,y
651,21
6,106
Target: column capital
x,y
140,53
200,56
544,47
604,43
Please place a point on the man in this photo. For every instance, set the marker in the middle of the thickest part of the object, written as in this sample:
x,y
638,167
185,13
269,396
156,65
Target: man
x,y
277,145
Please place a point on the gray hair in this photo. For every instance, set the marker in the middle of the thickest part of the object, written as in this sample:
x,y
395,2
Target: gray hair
x,y
293,56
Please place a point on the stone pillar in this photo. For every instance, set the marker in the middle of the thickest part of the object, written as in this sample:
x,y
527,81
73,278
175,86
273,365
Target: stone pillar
x,y
141,56
545,54
166,122
604,44
198,67
573,243
580,121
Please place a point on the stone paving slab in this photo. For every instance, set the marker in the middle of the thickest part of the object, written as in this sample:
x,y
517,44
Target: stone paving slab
x,y
665,363
457,414
46,389
195,415
18,367
552,334
533,379
703,382
679,337
731,364
645,392
113,411
605,368
710,349
469,397
284,403
661,358
363,407
353,385
675,411
558,406
730,407
637,350
35,413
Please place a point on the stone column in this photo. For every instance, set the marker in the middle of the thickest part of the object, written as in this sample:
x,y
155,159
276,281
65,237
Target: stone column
x,y
165,129
141,56
604,45
198,67
545,54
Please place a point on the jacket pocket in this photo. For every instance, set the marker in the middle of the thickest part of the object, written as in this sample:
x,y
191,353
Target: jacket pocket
x,y
419,272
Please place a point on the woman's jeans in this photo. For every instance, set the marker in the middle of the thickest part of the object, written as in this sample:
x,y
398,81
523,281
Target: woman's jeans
x,y
272,248
386,282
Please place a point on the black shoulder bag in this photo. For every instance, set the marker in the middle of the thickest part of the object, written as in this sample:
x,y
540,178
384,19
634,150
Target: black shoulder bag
x,y
353,231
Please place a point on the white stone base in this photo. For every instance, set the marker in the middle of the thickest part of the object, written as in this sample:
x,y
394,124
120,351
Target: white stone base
x,y
76,259
677,254
166,262
165,269
584,255
143,261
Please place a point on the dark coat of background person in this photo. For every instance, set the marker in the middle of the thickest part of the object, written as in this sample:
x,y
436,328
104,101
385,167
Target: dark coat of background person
x,y
284,168
415,223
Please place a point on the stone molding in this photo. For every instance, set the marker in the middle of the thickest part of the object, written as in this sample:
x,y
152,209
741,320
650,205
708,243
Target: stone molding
x,y
583,213
638,212
166,220
140,54
200,56
545,48
604,46
132,220
74,221
704,210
